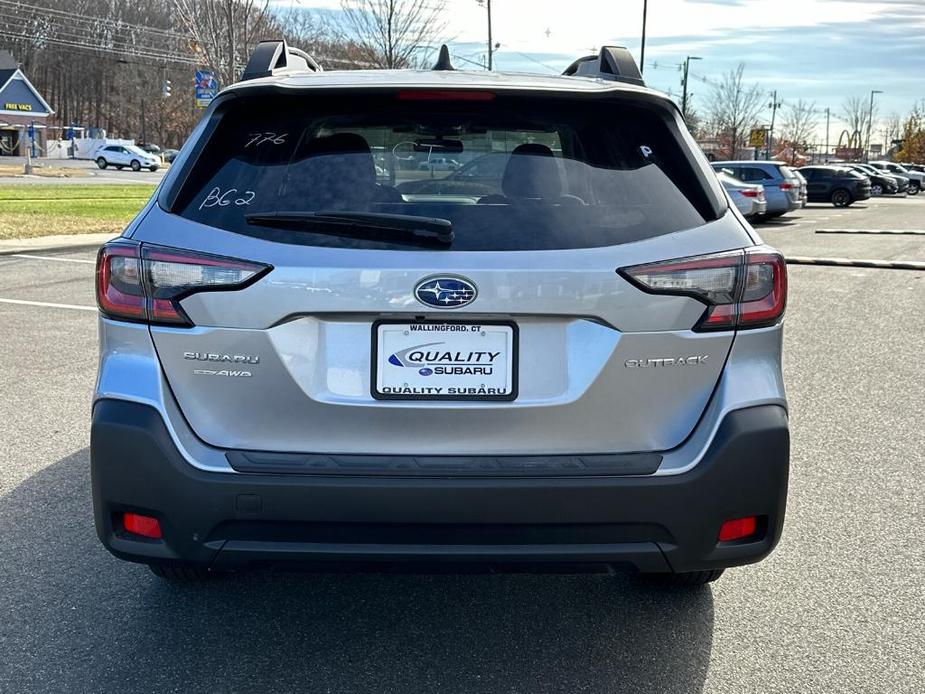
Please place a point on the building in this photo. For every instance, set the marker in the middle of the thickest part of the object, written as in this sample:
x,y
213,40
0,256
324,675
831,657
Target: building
x,y
21,107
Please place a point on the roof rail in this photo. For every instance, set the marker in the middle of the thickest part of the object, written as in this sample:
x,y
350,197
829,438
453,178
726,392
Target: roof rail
x,y
613,63
275,57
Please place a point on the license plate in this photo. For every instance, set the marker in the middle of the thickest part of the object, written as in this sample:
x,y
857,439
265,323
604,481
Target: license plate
x,y
453,360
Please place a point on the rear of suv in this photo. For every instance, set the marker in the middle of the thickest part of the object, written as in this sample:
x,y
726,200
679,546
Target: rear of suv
x,y
304,360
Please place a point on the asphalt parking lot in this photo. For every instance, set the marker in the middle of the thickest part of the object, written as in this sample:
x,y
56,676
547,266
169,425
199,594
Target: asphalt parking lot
x,y
839,607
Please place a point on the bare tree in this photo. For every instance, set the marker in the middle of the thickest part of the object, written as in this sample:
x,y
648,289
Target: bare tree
x,y
733,107
891,128
391,33
223,32
856,112
800,122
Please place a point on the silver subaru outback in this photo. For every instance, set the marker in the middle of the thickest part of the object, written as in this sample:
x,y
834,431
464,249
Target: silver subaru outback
x,y
562,351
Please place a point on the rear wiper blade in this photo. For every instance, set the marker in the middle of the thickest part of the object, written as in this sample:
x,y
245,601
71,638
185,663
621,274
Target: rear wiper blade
x,y
396,227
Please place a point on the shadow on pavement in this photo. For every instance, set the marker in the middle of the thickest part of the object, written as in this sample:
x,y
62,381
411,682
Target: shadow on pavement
x,y
77,619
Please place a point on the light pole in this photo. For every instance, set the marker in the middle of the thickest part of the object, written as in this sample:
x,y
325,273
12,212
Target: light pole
x,y
828,115
870,118
687,65
774,105
642,50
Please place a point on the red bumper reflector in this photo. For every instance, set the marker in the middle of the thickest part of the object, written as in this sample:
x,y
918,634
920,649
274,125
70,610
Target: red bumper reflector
x,y
142,525
738,528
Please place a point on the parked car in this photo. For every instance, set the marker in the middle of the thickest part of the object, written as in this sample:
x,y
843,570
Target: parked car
x,y
916,179
300,364
881,183
902,182
804,195
835,184
439,164
748,198
169,155
121,156
781,186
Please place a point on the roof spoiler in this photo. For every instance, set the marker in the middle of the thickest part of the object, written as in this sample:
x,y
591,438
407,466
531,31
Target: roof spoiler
x,y
274,58
613,63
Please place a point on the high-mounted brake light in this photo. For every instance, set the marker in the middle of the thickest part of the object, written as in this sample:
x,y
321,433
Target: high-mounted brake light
x,y
742,289
443,95
139,282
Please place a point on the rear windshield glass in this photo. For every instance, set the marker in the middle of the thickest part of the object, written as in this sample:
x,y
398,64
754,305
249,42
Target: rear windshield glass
x,y
506,172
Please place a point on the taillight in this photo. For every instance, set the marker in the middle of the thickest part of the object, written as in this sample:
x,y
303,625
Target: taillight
x,y
750,193
741,289
787,186
139,282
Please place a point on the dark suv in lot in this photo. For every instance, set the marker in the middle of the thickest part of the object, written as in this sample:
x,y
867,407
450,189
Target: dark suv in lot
x,y
834,184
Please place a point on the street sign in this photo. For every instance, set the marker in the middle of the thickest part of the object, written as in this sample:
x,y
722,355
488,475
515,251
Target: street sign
x,y
756,138
206,88
849,153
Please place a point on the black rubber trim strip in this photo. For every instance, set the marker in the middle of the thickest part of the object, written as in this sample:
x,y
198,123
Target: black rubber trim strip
x,y
609,464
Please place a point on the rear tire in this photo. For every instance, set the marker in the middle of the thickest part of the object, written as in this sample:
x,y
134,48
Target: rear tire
x,y
841,198
914,189
179,572
686,579
101,163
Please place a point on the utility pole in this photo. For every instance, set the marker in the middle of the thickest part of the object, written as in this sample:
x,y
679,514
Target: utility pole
x,y
774,105
144,135
870,118
642,50
490,44
687,65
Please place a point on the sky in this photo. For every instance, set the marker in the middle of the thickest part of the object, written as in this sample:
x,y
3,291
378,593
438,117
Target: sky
x,y
820,51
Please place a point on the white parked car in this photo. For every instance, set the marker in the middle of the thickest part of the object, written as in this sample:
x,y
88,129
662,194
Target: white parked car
x,y
748,198
439,164
121,156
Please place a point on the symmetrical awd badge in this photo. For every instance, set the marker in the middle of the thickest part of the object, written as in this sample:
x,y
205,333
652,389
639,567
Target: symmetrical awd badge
x,y
445,292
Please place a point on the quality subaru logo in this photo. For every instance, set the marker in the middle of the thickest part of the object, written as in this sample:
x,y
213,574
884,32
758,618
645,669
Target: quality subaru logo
x,y
445,292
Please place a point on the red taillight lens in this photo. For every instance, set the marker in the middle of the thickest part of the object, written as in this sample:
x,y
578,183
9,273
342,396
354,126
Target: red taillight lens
x,y
738,529
142,525
118,282
750,193
787,186
146,283
443,95
744,289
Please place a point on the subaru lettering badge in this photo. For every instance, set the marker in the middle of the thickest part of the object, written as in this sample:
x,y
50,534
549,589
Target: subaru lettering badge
x,y
445,292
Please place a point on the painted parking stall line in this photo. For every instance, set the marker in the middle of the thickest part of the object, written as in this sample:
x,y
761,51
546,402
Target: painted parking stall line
x,y
29,256
849,262
885,232
47,304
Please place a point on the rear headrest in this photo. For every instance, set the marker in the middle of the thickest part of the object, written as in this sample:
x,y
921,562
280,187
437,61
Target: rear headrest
x,y
335,172
532,172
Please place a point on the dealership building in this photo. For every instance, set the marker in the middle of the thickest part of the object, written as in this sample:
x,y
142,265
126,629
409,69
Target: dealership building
x,y
21,108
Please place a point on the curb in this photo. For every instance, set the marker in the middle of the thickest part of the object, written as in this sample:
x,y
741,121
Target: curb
x,y
885,232
847,262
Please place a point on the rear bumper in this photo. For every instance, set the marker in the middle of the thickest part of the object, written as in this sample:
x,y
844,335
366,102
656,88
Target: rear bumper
x,y
650,523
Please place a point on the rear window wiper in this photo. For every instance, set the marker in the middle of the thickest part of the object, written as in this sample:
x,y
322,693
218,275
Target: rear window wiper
x,y
377,226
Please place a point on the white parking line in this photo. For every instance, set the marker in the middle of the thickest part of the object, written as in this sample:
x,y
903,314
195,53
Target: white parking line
x,y
47,257
47,304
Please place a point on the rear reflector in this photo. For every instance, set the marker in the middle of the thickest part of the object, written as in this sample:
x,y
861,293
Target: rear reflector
x,y
444,95
738,529
142,525
146,283
742,289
